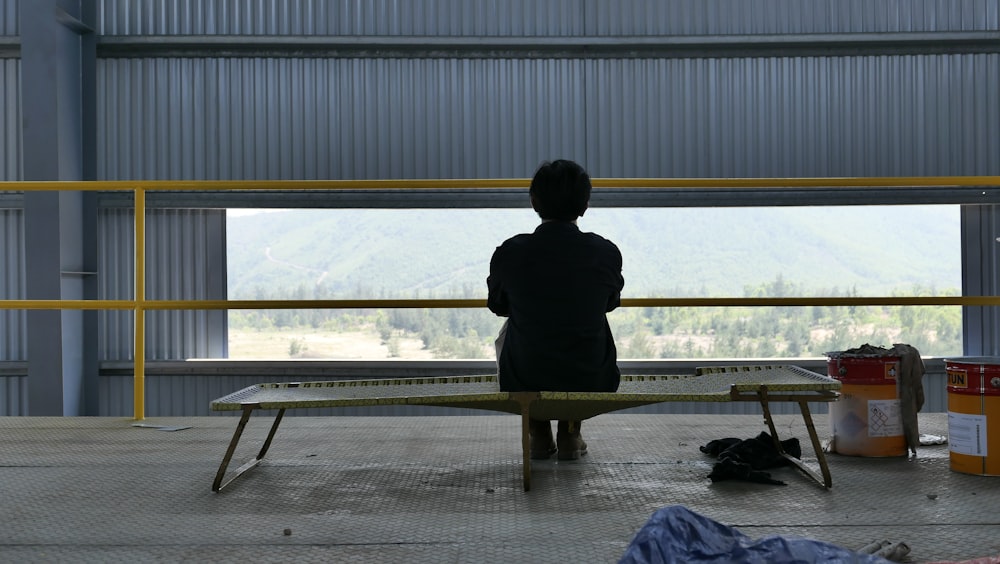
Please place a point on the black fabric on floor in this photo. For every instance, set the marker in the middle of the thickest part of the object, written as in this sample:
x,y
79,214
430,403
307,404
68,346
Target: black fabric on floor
x,y
745,459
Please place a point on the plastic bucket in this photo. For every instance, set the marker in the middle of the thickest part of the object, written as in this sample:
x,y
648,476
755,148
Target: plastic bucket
x,y
865,420
974,414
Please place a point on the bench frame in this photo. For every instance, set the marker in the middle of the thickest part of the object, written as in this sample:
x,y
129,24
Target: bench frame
x,y
522,403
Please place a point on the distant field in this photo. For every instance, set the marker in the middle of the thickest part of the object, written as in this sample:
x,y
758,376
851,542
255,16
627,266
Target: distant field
x,y
279,344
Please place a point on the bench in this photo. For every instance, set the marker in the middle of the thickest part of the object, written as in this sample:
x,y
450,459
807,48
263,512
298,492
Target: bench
x,y
761,384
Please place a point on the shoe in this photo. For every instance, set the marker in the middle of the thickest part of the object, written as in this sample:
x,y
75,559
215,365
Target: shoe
x,y
540,435
569,441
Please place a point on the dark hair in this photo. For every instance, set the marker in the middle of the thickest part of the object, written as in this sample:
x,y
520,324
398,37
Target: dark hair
x,y
560,190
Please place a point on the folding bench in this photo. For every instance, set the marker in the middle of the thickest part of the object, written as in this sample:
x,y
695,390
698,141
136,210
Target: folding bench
x,y
761,384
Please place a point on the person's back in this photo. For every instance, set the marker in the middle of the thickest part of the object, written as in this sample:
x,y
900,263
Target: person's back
x,y
555,286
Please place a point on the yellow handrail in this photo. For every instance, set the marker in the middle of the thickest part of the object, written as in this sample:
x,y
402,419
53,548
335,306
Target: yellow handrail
x,y
139,305
472,303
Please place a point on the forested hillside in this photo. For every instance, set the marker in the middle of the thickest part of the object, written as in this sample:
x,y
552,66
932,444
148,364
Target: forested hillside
x,y
667,252
861,251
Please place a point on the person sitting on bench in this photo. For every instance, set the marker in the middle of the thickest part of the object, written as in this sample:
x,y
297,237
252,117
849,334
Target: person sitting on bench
x,y
555,287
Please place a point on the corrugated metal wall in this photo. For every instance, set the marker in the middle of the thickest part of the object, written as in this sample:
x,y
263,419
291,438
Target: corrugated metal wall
x,y
981,224
735,17
10,119
9,17
540,17
13,347
426,118
360,117
790,117
10,88
12,284
358,17
180,250
13,386
370,117
338,118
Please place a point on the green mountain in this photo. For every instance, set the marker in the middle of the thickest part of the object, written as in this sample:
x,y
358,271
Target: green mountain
x,y
666,251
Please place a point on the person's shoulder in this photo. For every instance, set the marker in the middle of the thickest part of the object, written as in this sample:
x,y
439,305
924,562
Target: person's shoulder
x,y
514,242
600,240
518,239
604,247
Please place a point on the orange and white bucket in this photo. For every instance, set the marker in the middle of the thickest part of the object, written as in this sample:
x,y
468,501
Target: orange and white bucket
x,y
974,414
866,419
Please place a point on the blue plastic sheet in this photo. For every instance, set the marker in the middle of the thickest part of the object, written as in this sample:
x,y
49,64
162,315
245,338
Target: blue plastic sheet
x,y
677,534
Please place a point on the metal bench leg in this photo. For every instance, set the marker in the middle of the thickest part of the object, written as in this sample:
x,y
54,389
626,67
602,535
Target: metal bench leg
x,y
524,399
826,480
270,434
525,451
820,455
525,443
218,484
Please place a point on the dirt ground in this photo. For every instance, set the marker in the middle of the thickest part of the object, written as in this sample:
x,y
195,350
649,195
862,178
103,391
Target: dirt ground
x,y
285,344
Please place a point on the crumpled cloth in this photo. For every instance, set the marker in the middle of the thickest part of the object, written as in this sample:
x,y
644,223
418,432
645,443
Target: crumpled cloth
x,y
910,385
746,459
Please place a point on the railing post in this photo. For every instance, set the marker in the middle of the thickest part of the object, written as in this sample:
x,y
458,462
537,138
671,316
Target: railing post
x,y
139,352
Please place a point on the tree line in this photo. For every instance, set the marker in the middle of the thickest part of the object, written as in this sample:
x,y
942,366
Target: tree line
x,y
641,333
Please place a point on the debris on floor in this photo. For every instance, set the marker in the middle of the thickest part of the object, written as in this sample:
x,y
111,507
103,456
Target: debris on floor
x,y
161,427
894,551
984,560
927,440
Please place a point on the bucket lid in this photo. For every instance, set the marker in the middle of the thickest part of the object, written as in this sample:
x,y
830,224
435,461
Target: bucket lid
x,y
864,351
974,360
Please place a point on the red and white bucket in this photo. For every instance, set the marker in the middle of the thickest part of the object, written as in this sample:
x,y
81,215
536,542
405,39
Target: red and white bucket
x,y
866,419
974,414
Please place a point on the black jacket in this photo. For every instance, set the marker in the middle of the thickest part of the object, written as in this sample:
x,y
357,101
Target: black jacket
x,y
556,285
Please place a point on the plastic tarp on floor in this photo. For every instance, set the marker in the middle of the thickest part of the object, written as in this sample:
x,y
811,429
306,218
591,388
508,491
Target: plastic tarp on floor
x,y
675,534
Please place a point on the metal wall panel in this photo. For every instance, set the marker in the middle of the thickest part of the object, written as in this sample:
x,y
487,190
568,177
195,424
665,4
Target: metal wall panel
x,y
10,119
793,117
12,285
737,17
179,263
13,346
540,17
347,17
9,18
418,118
13,396
336,118
314,118
981,263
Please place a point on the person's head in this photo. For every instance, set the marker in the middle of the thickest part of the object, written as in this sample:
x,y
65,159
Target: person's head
x,y
560,190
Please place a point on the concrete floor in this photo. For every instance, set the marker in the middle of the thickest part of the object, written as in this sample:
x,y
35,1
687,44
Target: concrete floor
x,y
447,489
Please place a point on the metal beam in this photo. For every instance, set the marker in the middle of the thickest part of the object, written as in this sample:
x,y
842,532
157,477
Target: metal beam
x,y
10,47
600,198
591,47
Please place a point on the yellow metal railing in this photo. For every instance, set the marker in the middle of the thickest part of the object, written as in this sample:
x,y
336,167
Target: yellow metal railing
x,y
140,304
